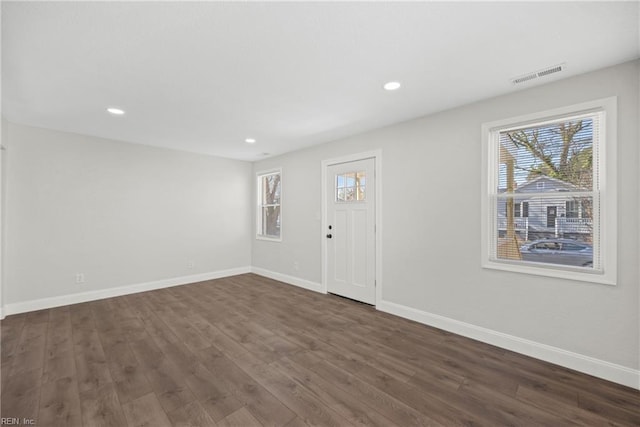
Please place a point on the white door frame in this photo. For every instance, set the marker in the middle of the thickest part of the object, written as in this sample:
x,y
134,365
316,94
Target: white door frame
x,y
376,155
2,213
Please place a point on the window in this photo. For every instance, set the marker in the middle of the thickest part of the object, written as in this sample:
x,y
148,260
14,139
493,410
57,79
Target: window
x,y
572,209
549,193
269,213
351,187
573,247
578,208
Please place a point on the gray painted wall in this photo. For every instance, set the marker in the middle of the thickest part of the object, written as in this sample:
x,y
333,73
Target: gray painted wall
x,y
120,213
431,224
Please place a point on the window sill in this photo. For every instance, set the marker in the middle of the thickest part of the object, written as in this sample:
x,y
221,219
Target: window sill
x,y
268,239
568,273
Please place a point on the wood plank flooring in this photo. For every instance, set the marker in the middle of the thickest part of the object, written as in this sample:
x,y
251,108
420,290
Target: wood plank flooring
x,y
250,351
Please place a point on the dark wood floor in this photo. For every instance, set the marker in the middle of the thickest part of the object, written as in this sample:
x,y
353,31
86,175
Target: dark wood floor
x,y
247,351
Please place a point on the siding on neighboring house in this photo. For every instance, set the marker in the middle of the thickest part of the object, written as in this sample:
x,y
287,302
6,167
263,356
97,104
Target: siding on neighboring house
x,y
539,217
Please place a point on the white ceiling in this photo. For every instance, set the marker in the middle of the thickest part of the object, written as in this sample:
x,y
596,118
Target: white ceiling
x,y
203,76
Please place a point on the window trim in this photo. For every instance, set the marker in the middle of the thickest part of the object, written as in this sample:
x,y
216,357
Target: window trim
x,y
259,176
607,152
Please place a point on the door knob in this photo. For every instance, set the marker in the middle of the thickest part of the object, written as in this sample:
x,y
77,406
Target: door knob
x,y
329,236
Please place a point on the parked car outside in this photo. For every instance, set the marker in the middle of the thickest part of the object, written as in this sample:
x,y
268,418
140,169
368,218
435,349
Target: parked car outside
x,y
559,251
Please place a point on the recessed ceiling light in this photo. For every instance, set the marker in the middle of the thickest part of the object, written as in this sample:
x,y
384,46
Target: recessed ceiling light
x,y
115,111
250,141
392,85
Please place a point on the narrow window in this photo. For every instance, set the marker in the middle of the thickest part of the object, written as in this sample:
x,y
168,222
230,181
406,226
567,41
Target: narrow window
x,y
269,219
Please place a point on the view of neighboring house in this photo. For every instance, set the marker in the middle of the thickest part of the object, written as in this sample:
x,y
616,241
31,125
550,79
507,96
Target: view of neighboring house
x,y
543,209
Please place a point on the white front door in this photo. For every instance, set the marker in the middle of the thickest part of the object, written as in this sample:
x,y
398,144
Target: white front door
x,y
350,231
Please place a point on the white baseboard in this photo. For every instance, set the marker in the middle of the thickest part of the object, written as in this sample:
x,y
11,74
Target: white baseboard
x,y
578,362
296,281
44,303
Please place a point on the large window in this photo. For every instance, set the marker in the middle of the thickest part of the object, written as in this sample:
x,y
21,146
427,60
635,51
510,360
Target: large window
x,y
549,193
269,216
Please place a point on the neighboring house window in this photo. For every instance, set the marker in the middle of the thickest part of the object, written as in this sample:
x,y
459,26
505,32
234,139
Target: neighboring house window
x,y
269,213
572,209
562,162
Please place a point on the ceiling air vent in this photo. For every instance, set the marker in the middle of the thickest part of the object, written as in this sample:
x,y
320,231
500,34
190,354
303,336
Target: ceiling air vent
x,y
526,78
530,76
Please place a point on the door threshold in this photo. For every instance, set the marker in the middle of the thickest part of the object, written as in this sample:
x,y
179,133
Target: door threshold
x,y
351,299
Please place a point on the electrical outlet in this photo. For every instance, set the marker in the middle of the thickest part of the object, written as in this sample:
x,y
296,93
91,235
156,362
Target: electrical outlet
x,y
296,266
79,278
191,264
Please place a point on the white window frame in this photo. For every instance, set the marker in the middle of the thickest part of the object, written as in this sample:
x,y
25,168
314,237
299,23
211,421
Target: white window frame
x,y
605,237
259,205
